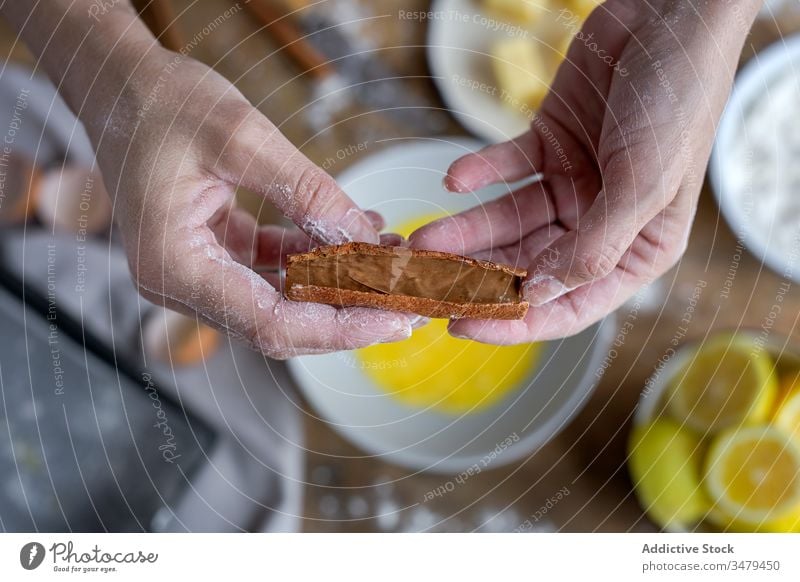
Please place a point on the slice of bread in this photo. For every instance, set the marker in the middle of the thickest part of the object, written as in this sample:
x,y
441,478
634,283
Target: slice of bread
x,y
429,283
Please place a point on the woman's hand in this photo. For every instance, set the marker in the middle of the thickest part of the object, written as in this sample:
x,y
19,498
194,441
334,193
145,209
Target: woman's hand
x,y
178,142
174,139
622,140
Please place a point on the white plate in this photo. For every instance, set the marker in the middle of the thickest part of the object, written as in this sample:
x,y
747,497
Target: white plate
x,y
404,182
751,84
458,49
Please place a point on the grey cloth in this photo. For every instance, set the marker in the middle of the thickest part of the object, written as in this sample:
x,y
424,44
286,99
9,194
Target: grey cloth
x,y
35,121
251,478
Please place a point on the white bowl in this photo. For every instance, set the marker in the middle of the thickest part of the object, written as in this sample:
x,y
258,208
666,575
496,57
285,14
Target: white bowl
x,y
458,49
751,84
403,182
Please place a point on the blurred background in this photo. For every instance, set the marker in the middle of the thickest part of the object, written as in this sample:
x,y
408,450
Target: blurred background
x,y
85,456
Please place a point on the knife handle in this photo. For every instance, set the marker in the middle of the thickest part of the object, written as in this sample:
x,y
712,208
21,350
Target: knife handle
x,y
291,39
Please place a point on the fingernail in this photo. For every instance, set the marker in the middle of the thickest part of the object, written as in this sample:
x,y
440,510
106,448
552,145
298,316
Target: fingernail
x,y
399,335
393,240
543,289
375,219
419,321
355,225
452,185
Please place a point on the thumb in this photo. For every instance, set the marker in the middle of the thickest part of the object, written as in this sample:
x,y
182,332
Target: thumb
x,y
603,235
263,160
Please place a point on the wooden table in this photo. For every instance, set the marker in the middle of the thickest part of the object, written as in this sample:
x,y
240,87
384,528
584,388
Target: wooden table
x,y
586,463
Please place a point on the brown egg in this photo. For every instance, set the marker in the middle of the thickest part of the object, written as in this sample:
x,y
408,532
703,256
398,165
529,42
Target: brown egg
x,y
73,199
175,339
19,181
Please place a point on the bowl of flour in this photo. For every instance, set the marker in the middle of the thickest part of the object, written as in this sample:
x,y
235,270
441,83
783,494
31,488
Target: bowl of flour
x,y
755,166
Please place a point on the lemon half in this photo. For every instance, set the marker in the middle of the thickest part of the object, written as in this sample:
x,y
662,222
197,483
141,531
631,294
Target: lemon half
x,y
727,383
665,465
753,477
787,416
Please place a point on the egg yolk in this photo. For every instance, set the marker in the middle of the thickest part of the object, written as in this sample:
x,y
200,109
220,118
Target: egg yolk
x,y
432,369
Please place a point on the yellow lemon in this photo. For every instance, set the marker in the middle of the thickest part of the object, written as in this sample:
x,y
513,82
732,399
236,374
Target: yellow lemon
x,y
583,8
726,383
788,385
787,416
753,478
525,12
664,463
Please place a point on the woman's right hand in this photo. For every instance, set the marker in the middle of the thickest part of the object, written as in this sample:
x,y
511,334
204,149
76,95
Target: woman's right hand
x,y
622,141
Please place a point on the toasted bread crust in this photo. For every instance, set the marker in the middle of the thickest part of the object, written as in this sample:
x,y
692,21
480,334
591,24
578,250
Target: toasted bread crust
x,y
419,305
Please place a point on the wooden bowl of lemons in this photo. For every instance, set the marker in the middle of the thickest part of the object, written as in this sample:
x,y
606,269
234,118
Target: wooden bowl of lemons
x,y
716,439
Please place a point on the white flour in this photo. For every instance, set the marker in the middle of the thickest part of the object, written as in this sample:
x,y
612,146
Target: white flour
x,y
763,165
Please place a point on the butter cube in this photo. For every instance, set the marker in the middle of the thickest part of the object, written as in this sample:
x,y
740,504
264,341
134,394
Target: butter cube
x,y
583,8
522,72
520,11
